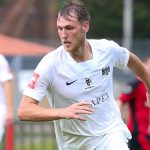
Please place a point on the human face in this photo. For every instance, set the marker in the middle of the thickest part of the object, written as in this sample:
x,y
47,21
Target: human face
x,y
72,33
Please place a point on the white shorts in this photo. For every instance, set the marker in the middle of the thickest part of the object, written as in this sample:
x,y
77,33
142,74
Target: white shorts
x,y
114,141
2,124
111,141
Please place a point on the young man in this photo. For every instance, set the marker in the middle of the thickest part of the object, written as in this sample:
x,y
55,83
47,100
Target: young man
x,y
78,79
6,95
138,122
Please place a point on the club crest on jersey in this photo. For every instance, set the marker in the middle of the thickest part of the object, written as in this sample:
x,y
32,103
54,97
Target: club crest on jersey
x,y
89,84
106,70
33,81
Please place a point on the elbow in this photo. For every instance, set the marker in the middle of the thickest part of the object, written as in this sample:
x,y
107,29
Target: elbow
x,y
26,110
21,114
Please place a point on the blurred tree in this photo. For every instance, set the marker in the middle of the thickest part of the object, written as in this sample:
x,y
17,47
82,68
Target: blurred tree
x,y
14,22
142,19
39,18
2,2
29,19
106,19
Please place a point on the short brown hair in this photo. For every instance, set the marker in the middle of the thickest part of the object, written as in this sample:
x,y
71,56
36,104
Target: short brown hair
x,y
78,8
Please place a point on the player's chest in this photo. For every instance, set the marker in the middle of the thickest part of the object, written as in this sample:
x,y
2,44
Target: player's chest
x,y
76,81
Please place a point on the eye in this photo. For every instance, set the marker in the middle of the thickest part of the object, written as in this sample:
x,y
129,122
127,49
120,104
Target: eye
x,y
59,28
69,27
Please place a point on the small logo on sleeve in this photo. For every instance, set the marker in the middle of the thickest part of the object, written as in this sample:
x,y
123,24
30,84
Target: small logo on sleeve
x,y
106,70
33,81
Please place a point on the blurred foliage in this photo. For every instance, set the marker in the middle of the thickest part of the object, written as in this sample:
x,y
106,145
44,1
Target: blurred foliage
x,y
2,2
106,18
142,18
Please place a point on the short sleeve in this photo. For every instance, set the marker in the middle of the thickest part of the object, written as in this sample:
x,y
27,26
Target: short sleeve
x,y
40,81
120,56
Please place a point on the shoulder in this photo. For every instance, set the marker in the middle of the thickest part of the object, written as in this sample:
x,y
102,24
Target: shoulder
x,y
52,59
103,42
53,56
3,60
104,45
2,57
55,52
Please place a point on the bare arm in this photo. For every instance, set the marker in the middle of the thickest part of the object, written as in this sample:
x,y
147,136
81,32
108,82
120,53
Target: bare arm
x,y
29,110
124,110
8,91
138,68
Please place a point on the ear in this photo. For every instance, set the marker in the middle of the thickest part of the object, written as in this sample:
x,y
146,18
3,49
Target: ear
x,y
85,26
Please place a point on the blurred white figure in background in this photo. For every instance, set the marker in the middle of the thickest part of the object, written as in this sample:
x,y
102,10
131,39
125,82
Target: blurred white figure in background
x,y
6,95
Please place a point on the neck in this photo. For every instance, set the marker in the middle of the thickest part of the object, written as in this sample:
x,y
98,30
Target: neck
x,y
83,53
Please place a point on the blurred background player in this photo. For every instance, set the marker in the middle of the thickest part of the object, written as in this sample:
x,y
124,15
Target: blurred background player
x,y
6,95
138,120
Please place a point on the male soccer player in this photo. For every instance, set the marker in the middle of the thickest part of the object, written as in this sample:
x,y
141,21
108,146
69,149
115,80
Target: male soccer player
x,y
78,79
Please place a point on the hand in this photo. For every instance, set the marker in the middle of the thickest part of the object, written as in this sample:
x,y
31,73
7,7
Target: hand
x,y
74,111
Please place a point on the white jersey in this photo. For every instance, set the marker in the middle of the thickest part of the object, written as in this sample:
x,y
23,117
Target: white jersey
x,y
69,82
5,74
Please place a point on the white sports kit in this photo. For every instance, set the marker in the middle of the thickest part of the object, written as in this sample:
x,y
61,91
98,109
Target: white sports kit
x,y
5,74
69,82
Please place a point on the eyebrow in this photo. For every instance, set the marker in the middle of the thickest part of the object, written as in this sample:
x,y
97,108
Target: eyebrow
x,y
66,27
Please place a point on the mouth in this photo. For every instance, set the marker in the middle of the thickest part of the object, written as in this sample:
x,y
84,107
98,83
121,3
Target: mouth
x,y
66,43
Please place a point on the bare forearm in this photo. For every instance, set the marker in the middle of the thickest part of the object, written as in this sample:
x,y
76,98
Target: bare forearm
x,y
138,68
29,110
123,109
8,90
38,113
